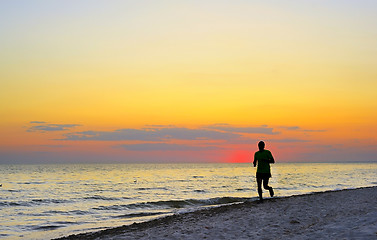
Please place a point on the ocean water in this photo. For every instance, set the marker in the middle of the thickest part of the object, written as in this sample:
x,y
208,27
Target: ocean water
x,y
49,201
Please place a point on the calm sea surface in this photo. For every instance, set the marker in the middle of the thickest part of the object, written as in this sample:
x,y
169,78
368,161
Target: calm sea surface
x,y
48,201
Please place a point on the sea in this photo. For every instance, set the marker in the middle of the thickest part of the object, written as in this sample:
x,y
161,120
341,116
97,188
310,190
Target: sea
x,y
50,201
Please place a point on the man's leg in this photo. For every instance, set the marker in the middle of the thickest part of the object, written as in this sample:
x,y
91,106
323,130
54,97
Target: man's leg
x,y
259,182
265,186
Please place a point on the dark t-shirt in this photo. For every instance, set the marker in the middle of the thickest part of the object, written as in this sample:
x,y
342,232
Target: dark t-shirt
x,y
263,158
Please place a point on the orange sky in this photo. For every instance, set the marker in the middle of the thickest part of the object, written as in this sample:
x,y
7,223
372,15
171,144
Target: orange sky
x,y
198,81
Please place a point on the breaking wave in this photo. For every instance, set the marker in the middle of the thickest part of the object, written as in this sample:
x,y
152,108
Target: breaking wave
x,y
175,204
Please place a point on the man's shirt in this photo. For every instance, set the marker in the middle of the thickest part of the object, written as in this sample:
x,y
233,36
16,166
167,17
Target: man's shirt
x,y
263,159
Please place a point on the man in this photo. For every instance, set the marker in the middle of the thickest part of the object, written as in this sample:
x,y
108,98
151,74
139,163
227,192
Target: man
x,y
263,158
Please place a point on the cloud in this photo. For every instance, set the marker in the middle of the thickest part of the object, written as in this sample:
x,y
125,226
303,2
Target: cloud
x,y
159,126
116,135
52,146
288,140
297,128
151,134
166,147
292,128
313,130
326,146
37,122
228,128
196,134
38,126
340,154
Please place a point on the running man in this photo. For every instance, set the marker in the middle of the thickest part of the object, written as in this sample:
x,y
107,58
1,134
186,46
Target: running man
x,y
263,158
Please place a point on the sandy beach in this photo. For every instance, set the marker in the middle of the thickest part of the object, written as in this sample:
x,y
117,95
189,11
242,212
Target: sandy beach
x,y
344,214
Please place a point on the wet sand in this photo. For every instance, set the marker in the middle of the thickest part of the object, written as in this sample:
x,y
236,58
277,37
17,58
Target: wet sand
x,y
343,214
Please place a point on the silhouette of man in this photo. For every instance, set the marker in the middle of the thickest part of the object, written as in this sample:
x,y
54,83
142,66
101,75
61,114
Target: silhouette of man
x,y
263,158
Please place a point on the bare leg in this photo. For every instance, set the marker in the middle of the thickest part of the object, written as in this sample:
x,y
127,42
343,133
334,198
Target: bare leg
x,y
265,186
259,182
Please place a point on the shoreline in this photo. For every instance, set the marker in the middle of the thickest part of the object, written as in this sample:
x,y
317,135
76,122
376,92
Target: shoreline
x,y
347,214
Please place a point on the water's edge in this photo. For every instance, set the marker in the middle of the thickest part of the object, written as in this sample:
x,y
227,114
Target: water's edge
x,y
218,209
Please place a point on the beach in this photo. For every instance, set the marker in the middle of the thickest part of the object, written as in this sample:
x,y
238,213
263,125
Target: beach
x,y
340,214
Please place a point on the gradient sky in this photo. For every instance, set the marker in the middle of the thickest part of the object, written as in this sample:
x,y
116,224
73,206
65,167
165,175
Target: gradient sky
x,y
187,81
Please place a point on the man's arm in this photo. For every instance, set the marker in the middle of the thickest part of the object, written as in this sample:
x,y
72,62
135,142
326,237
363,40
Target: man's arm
x,y
255,161
271,160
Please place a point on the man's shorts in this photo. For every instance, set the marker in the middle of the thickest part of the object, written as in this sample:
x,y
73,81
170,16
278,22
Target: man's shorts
x,y
263,175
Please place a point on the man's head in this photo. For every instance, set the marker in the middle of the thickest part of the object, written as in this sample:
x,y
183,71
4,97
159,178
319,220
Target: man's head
x,y
261,145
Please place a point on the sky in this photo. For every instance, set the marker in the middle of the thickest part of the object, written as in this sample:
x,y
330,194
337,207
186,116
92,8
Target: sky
x,y
187,81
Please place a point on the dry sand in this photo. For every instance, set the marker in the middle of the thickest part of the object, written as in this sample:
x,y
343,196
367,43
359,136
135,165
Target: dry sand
x,y
345,214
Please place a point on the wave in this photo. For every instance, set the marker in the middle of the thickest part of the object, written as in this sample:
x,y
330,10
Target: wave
x,y
199,191
152,188
97,197
244,189
140,214
33,202
50,201
20,203
46,228
27,183
12,190
175,204
78,212
71,212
